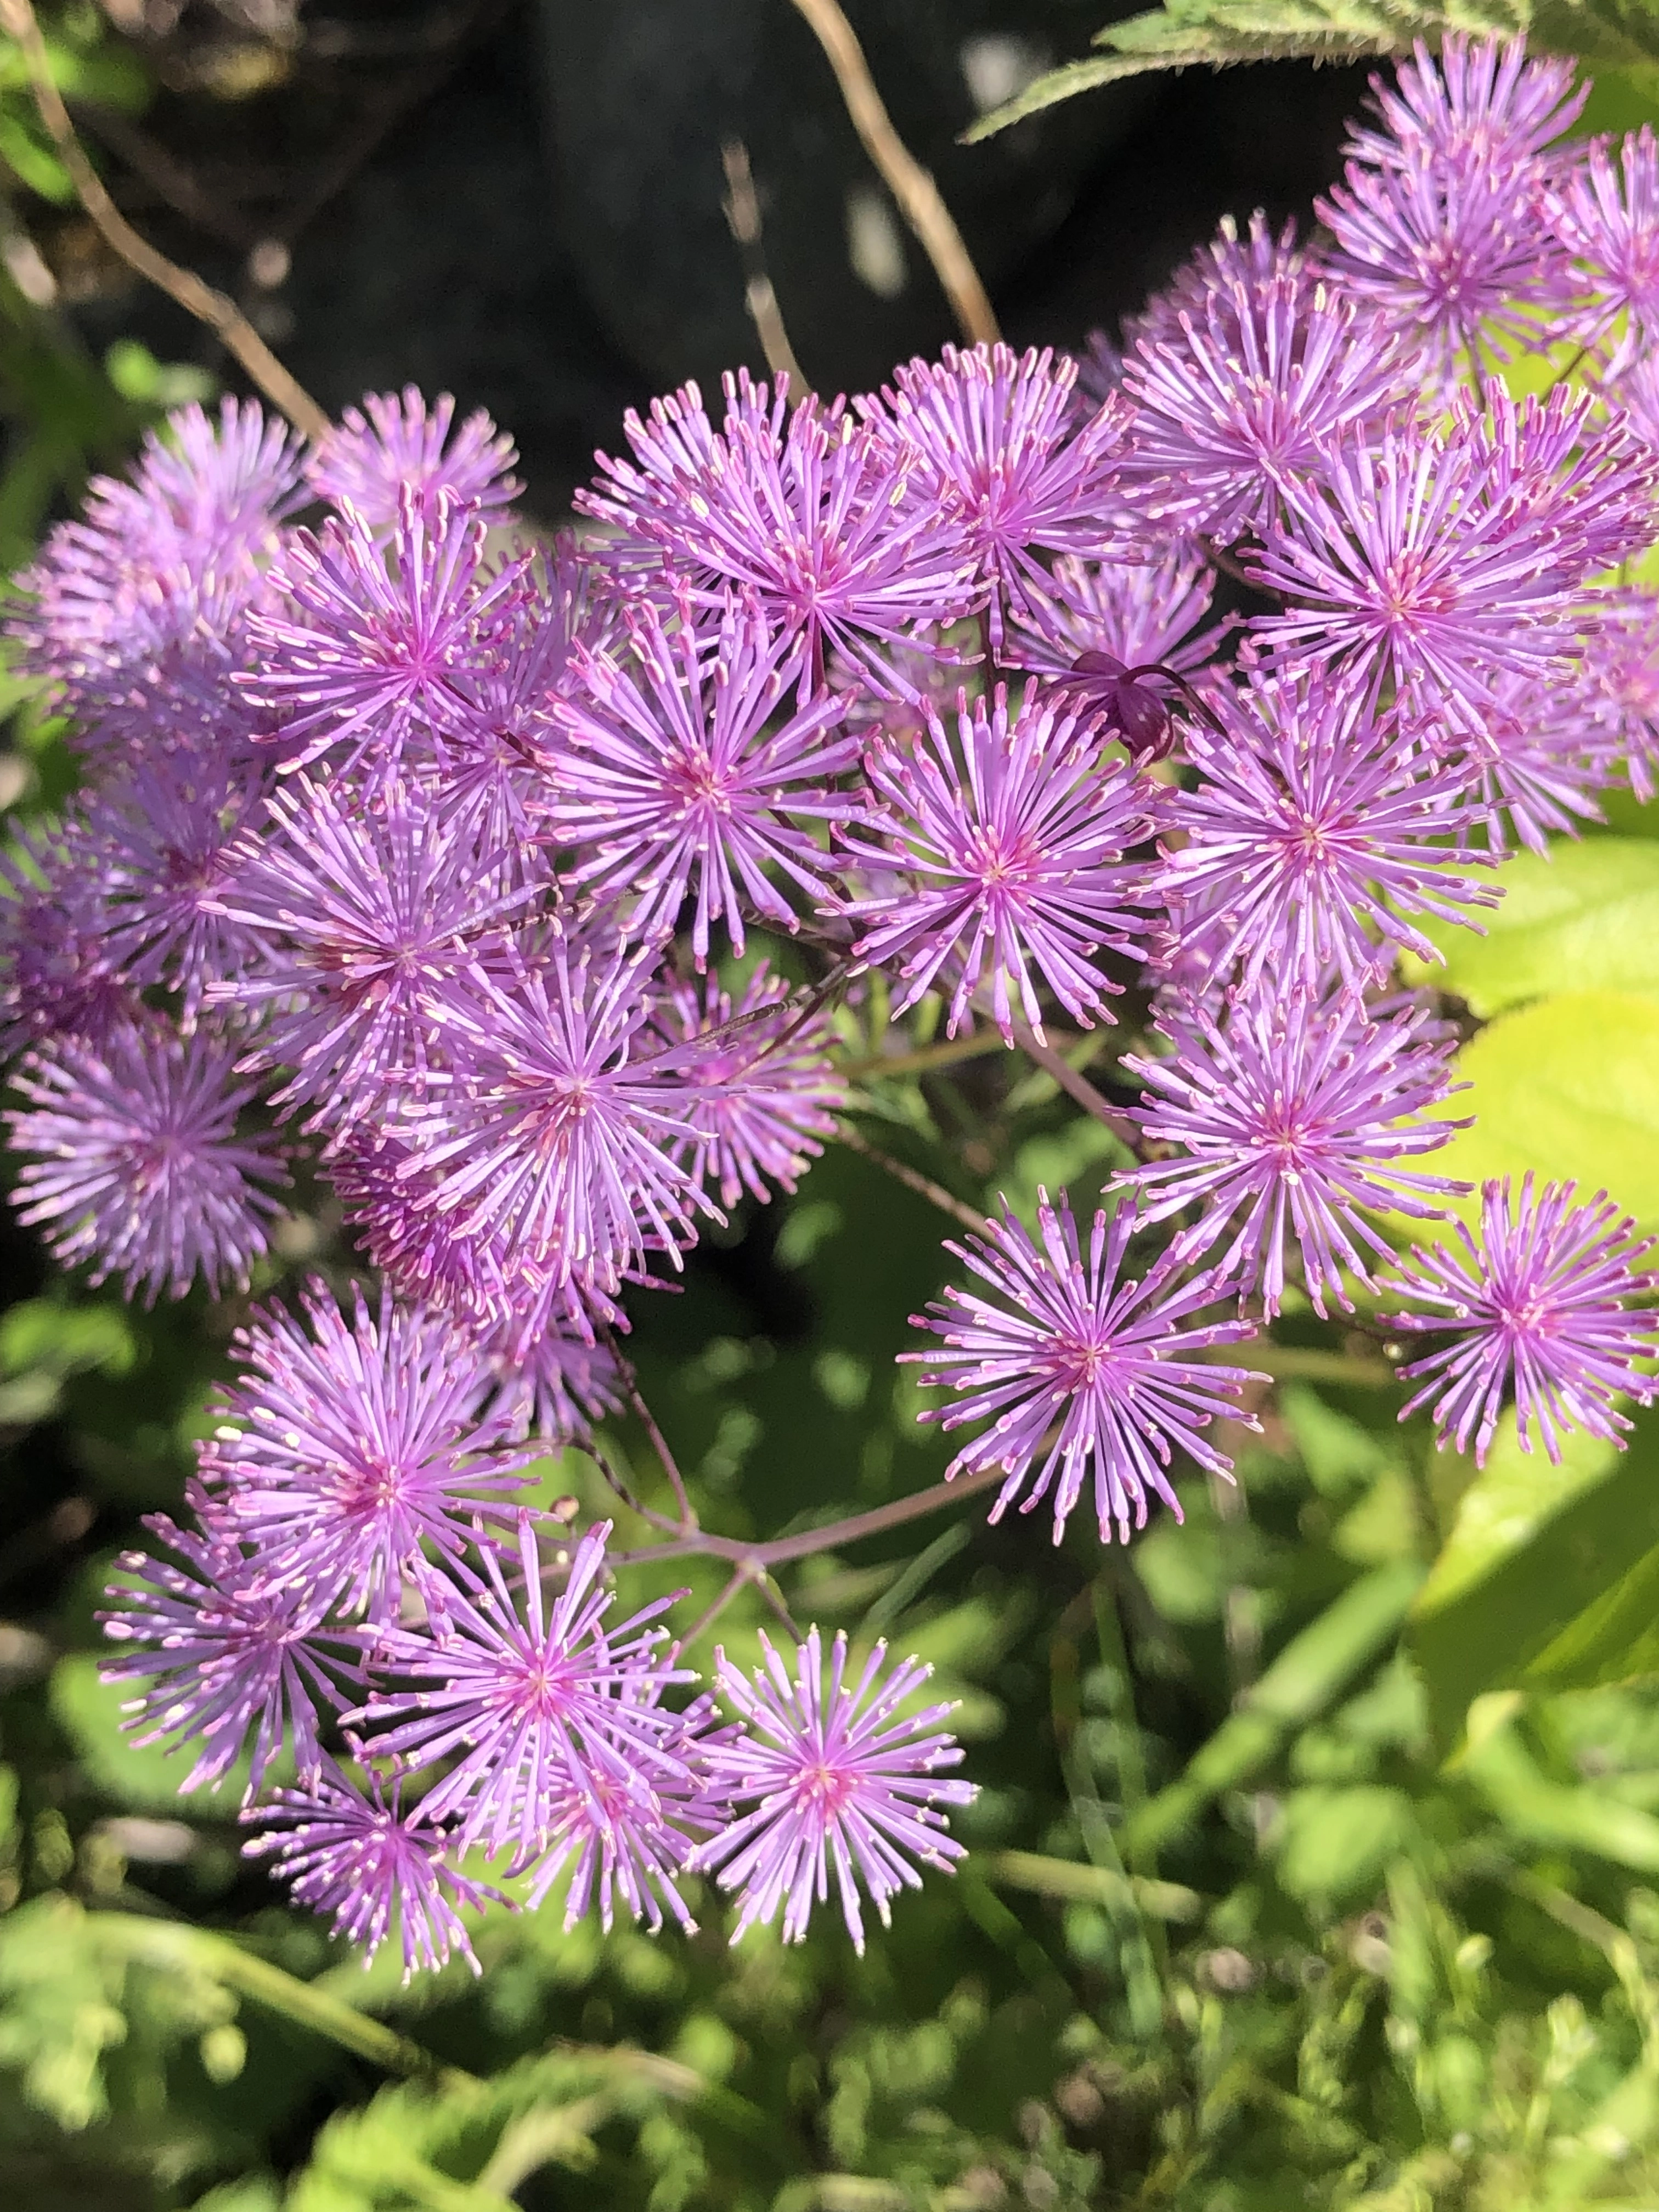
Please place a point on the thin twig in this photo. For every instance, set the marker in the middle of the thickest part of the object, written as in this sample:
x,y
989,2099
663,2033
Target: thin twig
x,y
934,1193
924,1058
220,315
1075,1085
918,197
830,1536
596,1452
743,214
739,1577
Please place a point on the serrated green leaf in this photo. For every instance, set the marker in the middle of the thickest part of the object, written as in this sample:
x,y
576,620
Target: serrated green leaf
x,y
1224,32
1585,919
1568,1087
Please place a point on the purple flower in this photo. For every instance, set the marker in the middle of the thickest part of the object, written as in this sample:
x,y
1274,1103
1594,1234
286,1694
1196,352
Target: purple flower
x,y
1608,219
1545,1306
151,563
1086,1365
762,1089
491,756
352,1456
357,1856
1409,562
1478,100
1118,639
1623,668
998,856
356,914
689,771
1226,264
168,833
1545,752
56,978
134,1164
802,510
630,1847
550,1128
520,1702
834,1777
1293,1116
547,1382
1444,224
1234,406
501,1296
227,1654
403,445
991,437
371,646
1317,830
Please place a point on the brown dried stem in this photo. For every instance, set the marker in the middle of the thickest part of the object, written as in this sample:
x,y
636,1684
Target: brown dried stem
x,y
220,315
918,197
744,216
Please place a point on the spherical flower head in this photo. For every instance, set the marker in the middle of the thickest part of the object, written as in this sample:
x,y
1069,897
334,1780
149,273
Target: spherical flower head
x,y
395,443
57,976
834,1775
1316,830
1547,1305
354,1856
627,1849
1622,665
1000,860
224,1657
351,916
1548,752
1606,214
1233,406
169,834
761,1089
1413,560
351,1453
1072,1363
1480,102
519,1701
551,1383
992,437
554,1128
1293,1116
1143,614
1224,266
151,562
133,1164
1442,223
681,770
802,510
371,646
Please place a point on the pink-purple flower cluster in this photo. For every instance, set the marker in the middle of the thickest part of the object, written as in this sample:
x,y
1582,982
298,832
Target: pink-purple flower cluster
x,y
440,859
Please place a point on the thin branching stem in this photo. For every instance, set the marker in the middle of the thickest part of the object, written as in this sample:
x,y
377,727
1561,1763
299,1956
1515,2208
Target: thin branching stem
x,y
919,199
222,316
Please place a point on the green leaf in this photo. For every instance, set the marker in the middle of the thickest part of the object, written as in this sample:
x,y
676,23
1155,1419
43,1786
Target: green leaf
x,y
1543,1581
1587,917
1569,1087
1220,32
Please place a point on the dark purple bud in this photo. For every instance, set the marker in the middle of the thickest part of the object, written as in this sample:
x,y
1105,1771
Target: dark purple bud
x,y
1128,701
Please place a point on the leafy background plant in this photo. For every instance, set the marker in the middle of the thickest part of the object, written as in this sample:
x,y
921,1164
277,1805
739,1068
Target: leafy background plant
x,y
1317,1859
